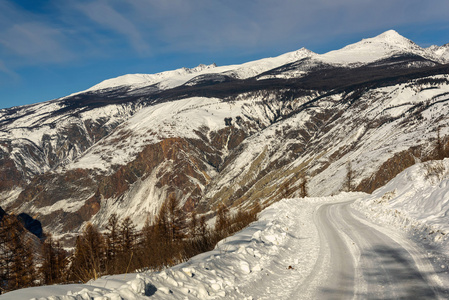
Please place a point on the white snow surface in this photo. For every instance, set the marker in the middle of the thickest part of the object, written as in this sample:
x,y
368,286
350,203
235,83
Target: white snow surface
x,y
174,78
283,245
416,200
369,50
366,51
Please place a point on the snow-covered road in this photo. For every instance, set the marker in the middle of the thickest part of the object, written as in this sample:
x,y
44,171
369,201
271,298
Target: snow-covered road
x,y
365,261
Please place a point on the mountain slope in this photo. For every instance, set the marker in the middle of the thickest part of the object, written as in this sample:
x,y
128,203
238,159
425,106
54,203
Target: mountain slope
x,y
233,135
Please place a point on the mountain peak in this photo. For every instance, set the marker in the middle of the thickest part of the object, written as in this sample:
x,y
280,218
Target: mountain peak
x,y
202,67
390,35
371,49
394,39
388,41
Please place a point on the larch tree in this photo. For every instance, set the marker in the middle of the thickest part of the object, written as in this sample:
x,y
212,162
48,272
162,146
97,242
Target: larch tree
x,y
222,221
349,177
303,185
18,269
53,262
89,255
112,237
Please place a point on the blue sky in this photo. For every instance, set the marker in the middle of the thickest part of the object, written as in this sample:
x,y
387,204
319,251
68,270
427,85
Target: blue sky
x,y
52,48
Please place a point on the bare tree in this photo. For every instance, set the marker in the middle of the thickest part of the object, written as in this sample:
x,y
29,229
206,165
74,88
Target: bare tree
x,y
54,261
441,153
223,220
349,177
112,238
17,268
88,258
303,185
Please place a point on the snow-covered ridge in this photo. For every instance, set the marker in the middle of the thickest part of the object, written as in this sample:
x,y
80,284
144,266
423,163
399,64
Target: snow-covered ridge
x,y
148,79
441,51
174,78
366,51
382,46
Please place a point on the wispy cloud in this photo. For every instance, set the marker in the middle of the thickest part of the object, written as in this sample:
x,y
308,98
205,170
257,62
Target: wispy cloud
x,y
9,73
35,42
27,38
108,17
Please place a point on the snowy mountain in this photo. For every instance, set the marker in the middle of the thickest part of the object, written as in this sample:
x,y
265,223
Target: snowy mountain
x,y
385,45
233,134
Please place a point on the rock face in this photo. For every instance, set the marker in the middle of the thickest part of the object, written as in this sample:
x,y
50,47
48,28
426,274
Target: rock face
x,y
220,135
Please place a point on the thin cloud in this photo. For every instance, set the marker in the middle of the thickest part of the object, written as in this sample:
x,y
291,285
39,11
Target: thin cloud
x,y
26,38
35,41
105,15
11,74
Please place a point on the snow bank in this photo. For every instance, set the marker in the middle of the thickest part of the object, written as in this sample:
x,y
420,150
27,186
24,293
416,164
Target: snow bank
x,y
416,200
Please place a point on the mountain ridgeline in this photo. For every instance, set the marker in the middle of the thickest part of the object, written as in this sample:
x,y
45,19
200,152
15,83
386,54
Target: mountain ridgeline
x,y
233,135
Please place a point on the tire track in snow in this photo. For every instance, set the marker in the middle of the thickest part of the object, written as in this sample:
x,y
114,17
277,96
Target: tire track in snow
x,y
357,249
